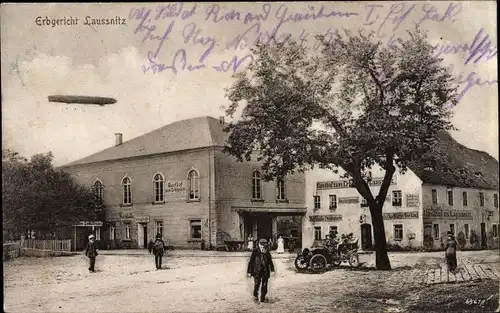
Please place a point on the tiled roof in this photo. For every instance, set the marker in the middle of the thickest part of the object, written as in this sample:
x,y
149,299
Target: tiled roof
x,y
187,134
452,164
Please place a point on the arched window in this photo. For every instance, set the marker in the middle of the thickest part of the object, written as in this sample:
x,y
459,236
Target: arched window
x,y
158,187
194,185
280,189
127,190
256,185
98,190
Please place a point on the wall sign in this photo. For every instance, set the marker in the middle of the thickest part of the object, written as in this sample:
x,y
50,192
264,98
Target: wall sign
x,y
175,190
448,214
349,183
349,200
142,219
89,223
126,215
325,218
400,215
412,201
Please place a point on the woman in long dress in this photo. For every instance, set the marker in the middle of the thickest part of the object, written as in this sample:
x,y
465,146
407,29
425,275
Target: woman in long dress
x,y
281,245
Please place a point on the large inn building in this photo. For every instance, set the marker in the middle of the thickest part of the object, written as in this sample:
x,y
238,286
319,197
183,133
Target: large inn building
x,y
177,181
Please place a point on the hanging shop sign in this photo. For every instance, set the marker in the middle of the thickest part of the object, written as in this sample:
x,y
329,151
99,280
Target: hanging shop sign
x,y
448,214
348,199
142,219
412,200
400,215
126,215
325,218
349,183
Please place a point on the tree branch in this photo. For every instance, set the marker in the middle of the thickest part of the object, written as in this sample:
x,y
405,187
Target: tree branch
x,y
389,172
359,181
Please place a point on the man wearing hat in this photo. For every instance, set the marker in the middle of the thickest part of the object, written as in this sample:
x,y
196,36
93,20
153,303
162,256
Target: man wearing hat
x,y
260,267
451,252
91,252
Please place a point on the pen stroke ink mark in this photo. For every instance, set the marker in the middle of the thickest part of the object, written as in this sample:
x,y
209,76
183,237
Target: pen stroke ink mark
x,y
192,35
432,13
235,64
472,80
480,47
175,10
179,63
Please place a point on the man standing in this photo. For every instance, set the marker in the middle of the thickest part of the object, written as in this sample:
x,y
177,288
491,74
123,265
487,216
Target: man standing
x,y
91,252
260,267
159,248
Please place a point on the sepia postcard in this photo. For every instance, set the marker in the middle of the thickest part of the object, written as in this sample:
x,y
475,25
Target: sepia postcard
x,y
250,157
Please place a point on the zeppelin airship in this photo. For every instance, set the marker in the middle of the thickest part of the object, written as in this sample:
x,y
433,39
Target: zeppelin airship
x,y
102,101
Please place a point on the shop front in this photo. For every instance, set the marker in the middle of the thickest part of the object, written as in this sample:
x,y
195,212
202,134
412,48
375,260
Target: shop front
x,y
83,230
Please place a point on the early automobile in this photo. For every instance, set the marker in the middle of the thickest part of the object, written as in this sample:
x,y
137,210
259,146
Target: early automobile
x,y
332,254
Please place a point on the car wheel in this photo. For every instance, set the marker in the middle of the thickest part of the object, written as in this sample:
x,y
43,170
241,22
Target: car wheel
x,y
318,263
354,260
301,263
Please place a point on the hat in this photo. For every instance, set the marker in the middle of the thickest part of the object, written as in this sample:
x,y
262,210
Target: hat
x,y
263,241
158,236
91,237
450,233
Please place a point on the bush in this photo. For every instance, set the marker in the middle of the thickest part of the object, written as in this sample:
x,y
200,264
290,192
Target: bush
x,y
474,239
428,242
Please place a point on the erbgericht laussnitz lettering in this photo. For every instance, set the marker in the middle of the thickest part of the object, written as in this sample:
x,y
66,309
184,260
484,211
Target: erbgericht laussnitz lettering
x,y
91,21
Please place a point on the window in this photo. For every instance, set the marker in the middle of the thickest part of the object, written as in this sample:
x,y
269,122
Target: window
x,y
127,231
158,187
127,190
99,190
334,229
317,232
280,189
194,185
317,202
481,199
195,229
159,227
495,200
333,202
398,232
434,196
112,231
256,185
466,230
450,196
495,230
397,198
364,203
97,234
464,198
452,228
435,228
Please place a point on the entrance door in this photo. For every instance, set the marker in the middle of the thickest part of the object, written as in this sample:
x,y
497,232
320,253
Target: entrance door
x,y
366,237
483,236
264,227
142,235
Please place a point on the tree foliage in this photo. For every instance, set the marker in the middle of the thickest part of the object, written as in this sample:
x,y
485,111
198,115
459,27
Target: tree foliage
x,y
37,197
354,105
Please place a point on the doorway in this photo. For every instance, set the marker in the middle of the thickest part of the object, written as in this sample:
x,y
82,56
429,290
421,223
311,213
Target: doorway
x,y
484,244
264,227
142,235
366,237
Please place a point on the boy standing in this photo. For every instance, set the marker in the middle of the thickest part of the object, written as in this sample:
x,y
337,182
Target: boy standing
x,y
260,267
91,252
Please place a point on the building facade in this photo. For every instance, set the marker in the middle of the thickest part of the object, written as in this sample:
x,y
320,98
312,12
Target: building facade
x,y
455,191
176,181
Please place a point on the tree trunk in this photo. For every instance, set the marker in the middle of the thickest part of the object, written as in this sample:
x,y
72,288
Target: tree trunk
x,y
381,258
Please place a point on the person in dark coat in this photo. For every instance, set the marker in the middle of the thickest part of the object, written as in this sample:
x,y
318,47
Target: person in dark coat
x,y
451,252
291,244
91,252
158,250
150,246
260,267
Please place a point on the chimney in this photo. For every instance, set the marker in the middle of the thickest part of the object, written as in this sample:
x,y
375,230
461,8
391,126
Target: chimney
x,y
118,139
221,119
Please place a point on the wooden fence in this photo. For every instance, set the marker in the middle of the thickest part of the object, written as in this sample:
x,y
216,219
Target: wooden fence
x,y
47,244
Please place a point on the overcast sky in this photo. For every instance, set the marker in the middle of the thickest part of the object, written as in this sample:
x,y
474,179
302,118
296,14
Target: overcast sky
x,y
38,61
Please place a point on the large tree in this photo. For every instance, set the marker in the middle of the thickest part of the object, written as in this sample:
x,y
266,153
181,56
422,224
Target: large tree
x,y
354,105
36,197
